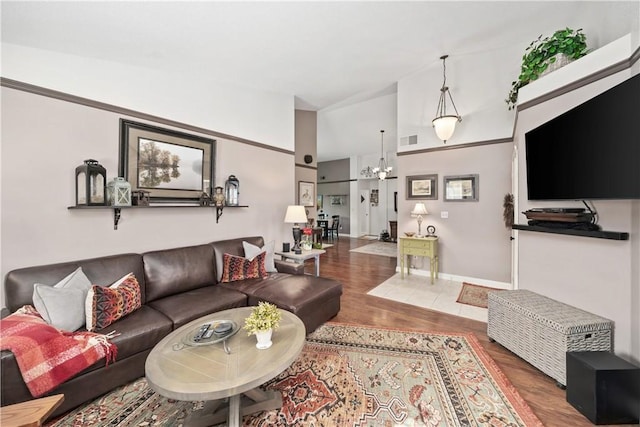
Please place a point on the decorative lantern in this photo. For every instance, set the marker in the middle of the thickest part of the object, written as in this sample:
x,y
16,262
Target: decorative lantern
x,y
232,191
119,192
91,178
218,197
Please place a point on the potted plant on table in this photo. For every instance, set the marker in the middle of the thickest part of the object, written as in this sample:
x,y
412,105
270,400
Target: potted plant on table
x,y
264,318
561,48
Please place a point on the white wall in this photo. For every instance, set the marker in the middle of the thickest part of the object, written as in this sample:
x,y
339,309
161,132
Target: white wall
x,y
259,116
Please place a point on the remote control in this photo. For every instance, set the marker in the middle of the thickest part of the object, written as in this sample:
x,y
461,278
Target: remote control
x,y
203,330
207,334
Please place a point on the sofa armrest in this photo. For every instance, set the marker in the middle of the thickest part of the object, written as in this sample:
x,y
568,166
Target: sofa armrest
x,y
289,267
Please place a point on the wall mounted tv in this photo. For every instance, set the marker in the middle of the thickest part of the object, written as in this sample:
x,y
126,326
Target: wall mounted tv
x,y
590,152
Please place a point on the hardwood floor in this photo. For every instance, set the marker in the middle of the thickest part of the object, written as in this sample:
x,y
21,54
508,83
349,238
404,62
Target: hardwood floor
x,y
359,273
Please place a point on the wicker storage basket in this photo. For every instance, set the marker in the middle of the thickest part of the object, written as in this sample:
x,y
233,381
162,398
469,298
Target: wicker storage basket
x,y
541,330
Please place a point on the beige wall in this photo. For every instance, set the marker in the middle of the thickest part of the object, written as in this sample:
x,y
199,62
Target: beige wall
x,y
44,139
473,240
306,143
596,275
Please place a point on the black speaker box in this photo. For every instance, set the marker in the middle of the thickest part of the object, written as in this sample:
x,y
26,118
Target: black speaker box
x,y
603,387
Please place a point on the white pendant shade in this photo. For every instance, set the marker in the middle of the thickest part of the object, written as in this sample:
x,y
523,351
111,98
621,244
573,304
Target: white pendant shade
x,y
445,126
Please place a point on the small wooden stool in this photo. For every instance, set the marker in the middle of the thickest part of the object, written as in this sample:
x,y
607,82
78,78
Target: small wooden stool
x,y
31,413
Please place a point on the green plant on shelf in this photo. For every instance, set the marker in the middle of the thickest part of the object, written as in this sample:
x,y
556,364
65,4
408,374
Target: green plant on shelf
x,y
543,52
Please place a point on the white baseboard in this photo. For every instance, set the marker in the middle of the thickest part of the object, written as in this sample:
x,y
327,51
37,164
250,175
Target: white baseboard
x,y
456,278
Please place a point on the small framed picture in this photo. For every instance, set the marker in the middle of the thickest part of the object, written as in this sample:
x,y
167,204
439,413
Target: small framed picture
x,y
422,187
461,188
306,193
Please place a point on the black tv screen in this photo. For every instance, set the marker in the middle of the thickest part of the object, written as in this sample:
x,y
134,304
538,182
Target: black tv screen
x,y
590,152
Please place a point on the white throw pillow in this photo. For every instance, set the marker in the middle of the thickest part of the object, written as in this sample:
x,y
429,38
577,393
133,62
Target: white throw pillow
x,y
251,251
62,305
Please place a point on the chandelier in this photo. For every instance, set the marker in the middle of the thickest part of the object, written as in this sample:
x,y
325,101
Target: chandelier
x,y
445,124
367,172
382,170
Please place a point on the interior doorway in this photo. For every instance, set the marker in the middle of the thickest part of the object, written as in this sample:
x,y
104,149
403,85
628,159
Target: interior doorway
x,y
364,214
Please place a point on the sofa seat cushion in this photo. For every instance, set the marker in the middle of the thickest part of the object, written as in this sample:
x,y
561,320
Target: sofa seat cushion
x,y
190,305
313,299
136,333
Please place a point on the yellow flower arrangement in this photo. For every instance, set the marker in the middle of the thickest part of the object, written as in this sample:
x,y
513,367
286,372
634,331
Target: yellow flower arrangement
x,y
263,317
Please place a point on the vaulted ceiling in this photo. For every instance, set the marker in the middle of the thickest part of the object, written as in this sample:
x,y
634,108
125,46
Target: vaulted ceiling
x,y
327,54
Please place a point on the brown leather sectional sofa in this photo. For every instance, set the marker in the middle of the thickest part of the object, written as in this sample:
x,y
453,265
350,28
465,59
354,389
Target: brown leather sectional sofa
x,y
178,285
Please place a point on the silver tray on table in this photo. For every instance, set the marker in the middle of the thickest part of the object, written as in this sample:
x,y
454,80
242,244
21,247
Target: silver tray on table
x,y
215,338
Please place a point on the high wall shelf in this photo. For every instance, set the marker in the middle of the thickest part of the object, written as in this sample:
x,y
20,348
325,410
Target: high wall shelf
x,y
117,210
611,235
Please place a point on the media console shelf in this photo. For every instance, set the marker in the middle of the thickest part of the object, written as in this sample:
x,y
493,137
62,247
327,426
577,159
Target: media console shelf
x,y
611,235
117,210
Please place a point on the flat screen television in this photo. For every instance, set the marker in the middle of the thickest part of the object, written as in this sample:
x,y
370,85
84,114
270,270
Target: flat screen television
x,y
590,152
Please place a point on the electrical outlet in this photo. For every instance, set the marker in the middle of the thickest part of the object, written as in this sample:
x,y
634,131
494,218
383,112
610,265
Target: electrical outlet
x,y
444,214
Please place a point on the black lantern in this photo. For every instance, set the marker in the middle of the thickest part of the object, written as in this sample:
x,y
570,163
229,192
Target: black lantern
x,y
232,191
91,178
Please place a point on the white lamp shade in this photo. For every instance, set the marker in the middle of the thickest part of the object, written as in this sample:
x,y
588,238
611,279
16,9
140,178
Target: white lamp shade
x,y
295,214
419,209
445,126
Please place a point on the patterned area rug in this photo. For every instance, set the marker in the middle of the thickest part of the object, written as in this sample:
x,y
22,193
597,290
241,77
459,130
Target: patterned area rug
x,y
353,376
378,248
475,295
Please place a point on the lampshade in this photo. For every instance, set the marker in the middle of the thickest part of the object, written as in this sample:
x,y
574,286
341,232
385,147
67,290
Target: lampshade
x,y
445,124
295,214
419,209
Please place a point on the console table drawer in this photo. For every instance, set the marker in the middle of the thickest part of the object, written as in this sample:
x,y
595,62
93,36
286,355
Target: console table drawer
x,y
417,251
415,243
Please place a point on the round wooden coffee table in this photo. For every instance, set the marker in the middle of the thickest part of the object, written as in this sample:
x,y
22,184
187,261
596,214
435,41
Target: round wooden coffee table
x,y
207,372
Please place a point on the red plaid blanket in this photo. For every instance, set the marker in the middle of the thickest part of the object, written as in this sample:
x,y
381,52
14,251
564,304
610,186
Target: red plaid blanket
x,y
46,356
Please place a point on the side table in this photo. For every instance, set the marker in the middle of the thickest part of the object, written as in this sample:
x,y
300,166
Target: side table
x,y
419,246
305,255
31,413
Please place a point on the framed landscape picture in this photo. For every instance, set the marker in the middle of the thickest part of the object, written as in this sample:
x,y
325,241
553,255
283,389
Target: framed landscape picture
x,y
171,165
422,187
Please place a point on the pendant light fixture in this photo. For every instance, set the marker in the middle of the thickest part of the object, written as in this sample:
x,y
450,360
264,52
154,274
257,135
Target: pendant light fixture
x,y
445,124
382,170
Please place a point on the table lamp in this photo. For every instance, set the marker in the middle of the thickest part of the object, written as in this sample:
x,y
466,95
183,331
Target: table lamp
x,y
296,215
419,210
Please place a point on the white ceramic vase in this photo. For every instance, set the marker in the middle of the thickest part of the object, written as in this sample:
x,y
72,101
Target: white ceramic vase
x,y
264,339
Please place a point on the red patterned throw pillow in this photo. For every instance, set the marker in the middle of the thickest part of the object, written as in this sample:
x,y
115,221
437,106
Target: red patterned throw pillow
x,y
105,305
239,268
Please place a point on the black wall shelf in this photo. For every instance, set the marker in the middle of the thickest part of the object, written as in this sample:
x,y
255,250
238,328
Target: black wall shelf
x,y
611,235
117,210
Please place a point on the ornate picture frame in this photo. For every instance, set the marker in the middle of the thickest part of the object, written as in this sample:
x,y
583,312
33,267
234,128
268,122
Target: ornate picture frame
x,y
422,187
172,166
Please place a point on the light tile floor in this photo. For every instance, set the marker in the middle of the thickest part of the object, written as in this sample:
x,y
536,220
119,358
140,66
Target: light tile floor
x,y
417,290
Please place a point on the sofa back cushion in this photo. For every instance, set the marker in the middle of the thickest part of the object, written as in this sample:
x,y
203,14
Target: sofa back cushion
x,y
232,247
100,271
171,271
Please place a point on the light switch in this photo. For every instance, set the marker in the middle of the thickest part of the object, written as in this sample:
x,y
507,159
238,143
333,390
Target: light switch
x,y
444,214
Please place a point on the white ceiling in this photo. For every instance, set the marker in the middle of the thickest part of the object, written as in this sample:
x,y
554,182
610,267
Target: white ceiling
x,y
327,54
